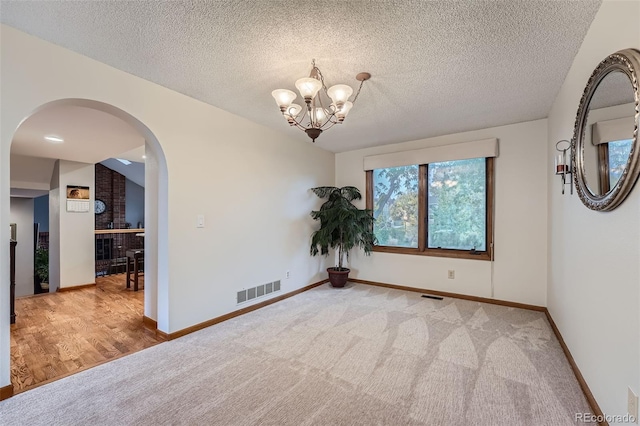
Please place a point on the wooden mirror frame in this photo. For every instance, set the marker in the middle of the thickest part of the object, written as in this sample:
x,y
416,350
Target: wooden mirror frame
x,y
626,61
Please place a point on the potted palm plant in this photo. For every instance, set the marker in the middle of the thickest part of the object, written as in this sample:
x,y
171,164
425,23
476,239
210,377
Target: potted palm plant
x,y
342,227
42,267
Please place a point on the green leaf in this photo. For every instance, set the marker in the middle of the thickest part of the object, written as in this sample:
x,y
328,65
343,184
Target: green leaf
x,y
342,225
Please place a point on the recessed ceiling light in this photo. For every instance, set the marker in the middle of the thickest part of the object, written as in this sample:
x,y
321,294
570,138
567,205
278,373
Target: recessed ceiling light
x,y
125,162
54,139
144,157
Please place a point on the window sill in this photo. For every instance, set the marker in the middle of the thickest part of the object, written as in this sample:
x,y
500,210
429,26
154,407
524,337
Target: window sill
x,y
455,254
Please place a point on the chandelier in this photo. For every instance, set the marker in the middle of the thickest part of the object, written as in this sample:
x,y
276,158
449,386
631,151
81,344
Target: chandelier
x,y
315,116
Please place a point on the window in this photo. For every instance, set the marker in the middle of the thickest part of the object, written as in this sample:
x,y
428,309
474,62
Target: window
x,y
437,209
613,159
395,206
457,205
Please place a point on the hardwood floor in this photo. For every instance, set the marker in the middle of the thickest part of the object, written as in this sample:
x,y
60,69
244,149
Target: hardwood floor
x,y
58,334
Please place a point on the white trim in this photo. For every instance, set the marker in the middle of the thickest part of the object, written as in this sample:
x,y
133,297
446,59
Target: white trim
x,y
459,151
612,130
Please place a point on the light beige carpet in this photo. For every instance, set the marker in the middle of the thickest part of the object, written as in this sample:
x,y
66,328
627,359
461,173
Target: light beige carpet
x,y
362,355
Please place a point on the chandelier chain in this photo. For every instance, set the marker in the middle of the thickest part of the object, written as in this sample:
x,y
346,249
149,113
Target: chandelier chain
x,y
358,92
324,86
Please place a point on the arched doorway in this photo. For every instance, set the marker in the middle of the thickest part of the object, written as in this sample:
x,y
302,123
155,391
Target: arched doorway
x,y
156,253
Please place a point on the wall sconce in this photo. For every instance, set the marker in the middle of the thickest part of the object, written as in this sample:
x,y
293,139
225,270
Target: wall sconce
x,y
563,163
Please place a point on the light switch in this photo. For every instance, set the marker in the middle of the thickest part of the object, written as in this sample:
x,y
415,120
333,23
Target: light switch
x,y
200,221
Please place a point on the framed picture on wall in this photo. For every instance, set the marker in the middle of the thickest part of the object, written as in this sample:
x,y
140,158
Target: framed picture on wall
x,y
78,199
77,192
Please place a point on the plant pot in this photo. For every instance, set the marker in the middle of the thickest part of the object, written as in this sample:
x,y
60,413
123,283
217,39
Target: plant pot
x,y
338,278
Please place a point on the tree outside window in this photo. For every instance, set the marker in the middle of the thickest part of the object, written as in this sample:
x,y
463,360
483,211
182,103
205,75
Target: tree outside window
x,y
439,209
395,206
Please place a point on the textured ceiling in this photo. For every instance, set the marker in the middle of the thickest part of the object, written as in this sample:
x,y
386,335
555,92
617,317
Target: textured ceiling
x,y
614,89
438,67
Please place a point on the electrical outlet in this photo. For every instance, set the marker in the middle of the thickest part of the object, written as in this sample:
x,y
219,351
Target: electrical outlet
x,y
288,274
451,274
632,405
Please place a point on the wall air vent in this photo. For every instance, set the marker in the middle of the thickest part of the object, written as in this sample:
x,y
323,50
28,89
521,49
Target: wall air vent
x,y
257,292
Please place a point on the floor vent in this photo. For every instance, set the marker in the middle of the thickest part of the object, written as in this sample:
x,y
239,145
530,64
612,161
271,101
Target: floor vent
x,y
428,296
258,291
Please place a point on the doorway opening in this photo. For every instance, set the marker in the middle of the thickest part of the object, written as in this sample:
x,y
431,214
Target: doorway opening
x,y
86,135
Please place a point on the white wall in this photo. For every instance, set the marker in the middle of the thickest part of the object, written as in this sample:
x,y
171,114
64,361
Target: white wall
x,y
520,270
151,274
55,198
250,182
134,203
71,234
76,230
22,215
594,279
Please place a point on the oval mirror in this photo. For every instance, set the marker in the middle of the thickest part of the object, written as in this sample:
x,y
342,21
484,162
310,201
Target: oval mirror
x,y
605,150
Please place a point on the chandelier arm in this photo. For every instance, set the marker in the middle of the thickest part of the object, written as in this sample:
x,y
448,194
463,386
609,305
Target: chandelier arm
x,y
331,109
297,123
302,127
312,114
299,126
328,120
298,119
333,123
305,114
